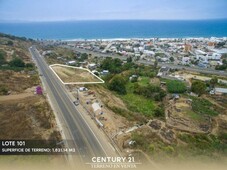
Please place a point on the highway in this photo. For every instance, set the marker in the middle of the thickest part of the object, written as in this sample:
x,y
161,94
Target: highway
x,y
84,139
173,66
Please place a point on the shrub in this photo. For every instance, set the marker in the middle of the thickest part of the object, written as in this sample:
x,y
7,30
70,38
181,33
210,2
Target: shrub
x,y
29,65
159,112
3,90
118,84
203,106
175,86
17,62
150,91
198,87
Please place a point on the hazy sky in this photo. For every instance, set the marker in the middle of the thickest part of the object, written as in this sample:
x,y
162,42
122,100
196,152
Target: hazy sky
x,y
58,10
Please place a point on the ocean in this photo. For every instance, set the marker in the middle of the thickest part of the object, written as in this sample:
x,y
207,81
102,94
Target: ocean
x,y
117,29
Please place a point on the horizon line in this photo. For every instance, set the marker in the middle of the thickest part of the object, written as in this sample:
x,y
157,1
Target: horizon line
x,y
80,20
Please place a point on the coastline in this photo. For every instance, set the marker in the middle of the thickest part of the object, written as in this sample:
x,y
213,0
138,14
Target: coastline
x,y
117,29
146,39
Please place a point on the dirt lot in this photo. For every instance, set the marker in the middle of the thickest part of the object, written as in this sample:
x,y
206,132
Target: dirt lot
x,y
17,82
69,75
30,116
191,75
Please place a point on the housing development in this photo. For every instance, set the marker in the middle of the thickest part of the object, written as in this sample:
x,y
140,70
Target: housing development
x,y
158,93
141,100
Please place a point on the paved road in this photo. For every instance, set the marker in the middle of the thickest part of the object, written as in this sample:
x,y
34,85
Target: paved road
x,y
86,142
196,69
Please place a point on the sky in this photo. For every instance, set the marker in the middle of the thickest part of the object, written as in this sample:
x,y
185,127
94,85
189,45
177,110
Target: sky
x,y
61,10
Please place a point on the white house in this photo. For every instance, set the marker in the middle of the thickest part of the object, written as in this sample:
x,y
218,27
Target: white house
x,y
219,91
71,62
92,66
213,56
141,49
200,52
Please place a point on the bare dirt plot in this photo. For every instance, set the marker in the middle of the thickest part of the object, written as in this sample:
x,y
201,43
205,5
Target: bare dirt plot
x,y
70,75
15,96
190,75
27,118
17,82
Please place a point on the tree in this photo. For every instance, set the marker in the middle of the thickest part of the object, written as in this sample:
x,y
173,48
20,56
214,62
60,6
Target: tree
x,y
29,65
213,81
113,65
198,87
150,91
83,57
17,62
117,83
221,67
171,59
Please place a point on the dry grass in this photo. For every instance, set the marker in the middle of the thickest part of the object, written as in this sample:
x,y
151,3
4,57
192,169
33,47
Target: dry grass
x,y
28,118
69,75
17,82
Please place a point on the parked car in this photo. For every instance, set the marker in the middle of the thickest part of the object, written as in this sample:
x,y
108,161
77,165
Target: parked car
x,y
76,103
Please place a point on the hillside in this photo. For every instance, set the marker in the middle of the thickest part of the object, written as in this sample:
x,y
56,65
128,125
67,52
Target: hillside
x,y
30,113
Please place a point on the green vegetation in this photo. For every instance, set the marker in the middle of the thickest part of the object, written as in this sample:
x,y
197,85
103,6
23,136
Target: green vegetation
x,y
2,57
197,145
117,83
128,114
221,67
198,87
203,107
159,111
149,91
121,112
113,65
16,64
140,141
172,59
175,86
195,116
3,90
160,55
141,98
12,37
152,144
138,95
213,81
224,65
144,81
83,57
203,144
145,71
140,104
